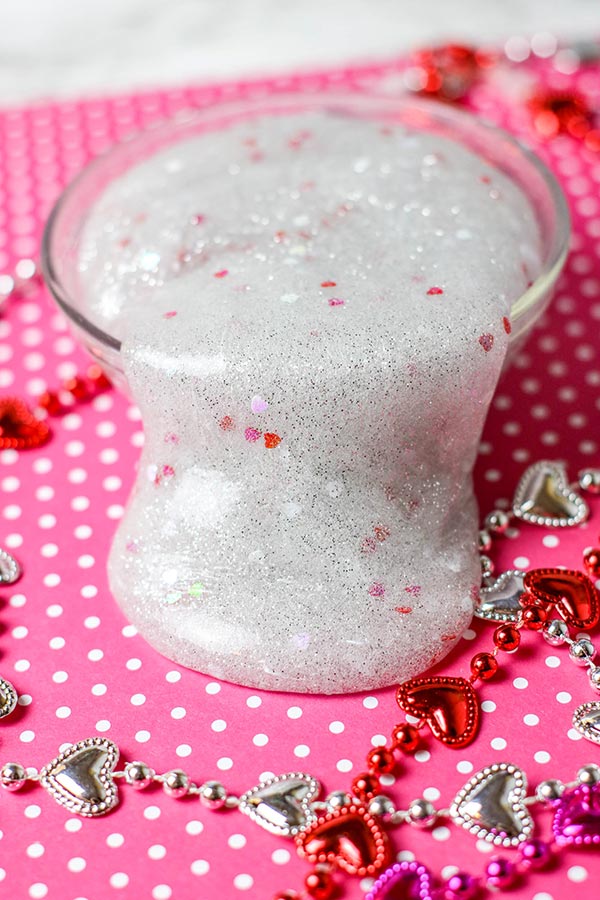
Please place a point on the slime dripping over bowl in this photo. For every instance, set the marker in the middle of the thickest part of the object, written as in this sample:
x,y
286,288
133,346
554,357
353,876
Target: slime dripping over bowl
x,y
313,336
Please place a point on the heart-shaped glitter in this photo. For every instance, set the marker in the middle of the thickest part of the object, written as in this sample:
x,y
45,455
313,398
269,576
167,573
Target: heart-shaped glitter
x,y
282,804
271,440
349,838
449,705
258,405
406,880
19,428
81,778
498,601
572,592
543,497
491,806
577,816
586,720
8,698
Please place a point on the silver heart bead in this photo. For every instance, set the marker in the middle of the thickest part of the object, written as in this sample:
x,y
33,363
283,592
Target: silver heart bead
x,y
586,720
10,570
81,778
282,804
498,601
8,698
543,497
491,806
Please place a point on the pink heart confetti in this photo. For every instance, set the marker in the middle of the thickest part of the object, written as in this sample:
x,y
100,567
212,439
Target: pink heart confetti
x,y
258,405
252,434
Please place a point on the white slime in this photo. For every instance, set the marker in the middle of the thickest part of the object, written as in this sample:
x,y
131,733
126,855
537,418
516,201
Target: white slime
x,y
314,315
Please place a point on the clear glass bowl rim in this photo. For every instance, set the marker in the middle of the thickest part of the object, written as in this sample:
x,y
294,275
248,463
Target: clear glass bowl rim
x,y
554,253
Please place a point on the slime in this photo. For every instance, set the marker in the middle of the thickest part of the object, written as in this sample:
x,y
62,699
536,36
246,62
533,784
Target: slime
x,y
314,312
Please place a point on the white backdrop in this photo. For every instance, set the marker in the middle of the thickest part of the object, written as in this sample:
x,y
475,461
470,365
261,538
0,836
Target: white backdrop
x,y
73,47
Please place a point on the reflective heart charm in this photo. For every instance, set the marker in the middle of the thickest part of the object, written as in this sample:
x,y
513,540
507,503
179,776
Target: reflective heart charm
x,y
577,816
498,601
349,838
491,806
543,497
19,428
282,804
8,698
586,720
81,778
573,594
406,880
10,570
449,706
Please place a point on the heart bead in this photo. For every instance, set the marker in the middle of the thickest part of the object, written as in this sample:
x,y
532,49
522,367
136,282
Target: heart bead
x,y
349,838
8,698
572,592
544,497
498,601
449,706
19,428
577,816
586,720
81,778
406,880
491,806
281,804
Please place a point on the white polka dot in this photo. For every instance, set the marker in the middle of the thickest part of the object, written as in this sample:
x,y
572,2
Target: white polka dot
x,y
577,874
432,794
95,655
142,736
236,841
161,892
63,712
521,562
301,750
183,750
35,850
199,867
86,561
56,643
449,871
54,610
542,895
243,882
52,579
137,699
542,756
553,662
179,712
281,856
119,880
152,812
73,825
294,712
133,664
213,687
344,765
520,683
38,891
157,851
129,631
260,740
115,839
88,591
498,743
484,847
218,725
224,763
441,833
550,540
32,811
22,665
563,697
103,725
27,736
173,677
254,702
370,702
531,719
574,735
422,756
99,690
336,727
76,864
488,706
194,827
83,532
464,767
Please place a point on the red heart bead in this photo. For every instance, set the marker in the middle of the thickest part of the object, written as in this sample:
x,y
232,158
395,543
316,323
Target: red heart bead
x,y
349,838
19,428
573,594
448,705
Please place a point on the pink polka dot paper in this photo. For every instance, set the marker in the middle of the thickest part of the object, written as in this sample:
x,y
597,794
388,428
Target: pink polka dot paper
x,y
81,669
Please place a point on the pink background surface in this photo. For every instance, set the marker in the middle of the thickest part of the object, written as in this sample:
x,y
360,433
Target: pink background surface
x,y
82,670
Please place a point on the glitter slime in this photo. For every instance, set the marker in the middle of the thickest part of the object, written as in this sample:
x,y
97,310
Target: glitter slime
x,y
314,311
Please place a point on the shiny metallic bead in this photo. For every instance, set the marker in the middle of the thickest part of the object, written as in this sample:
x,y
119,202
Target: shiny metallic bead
x,y
421,813
12,776
550,790
176,783
382,806
555,632
338,799
484,542
582,651
212,794
138,775
589,480
589,774
497,521
487,566
594,676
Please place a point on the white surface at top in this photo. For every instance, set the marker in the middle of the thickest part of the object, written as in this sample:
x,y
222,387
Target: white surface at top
x,y
70,48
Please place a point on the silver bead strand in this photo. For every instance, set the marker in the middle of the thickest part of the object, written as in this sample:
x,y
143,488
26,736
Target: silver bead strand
x,y
13,776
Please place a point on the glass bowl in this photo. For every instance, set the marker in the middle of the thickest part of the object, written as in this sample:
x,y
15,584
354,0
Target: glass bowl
x,y
63,233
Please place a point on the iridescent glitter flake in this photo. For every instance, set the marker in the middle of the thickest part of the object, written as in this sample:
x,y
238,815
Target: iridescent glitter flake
x,y
249,238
